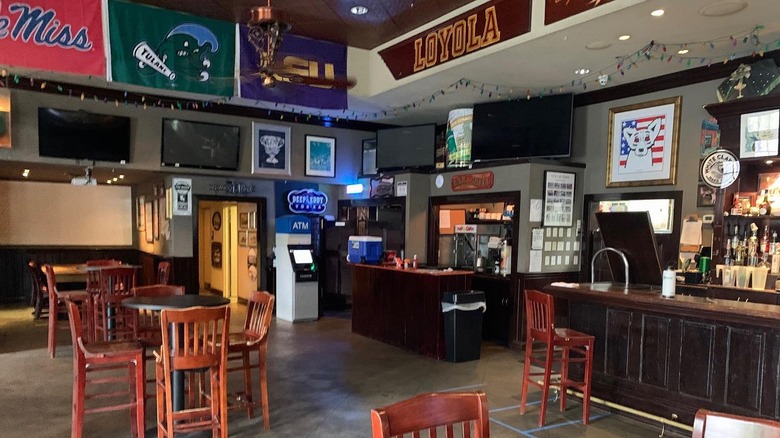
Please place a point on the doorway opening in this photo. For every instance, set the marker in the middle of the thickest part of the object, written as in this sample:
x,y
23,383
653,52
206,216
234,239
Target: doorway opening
x,y
229,243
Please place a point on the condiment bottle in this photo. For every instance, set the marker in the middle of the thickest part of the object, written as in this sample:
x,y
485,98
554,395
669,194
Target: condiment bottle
x,y
414,262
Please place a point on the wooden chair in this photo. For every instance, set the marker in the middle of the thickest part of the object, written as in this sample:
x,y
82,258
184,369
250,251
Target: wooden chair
x,y
55,297
254,337
558,344
709,424
193,339
105,358
112,320
467,411
163,272
39,294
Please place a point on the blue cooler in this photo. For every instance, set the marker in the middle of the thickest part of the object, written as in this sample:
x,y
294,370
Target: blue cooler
x,y
364,249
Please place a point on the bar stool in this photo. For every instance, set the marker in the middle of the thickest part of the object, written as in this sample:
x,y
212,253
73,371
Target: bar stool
x,y
559,343
55,297
113,321
163,272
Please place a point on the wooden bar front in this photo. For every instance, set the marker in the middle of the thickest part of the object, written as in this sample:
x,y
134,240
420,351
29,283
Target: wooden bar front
x,y
673,356
402,307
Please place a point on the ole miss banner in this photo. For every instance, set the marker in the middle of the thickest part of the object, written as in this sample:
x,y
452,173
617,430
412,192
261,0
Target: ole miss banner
x,y
56,35
164,49
305,57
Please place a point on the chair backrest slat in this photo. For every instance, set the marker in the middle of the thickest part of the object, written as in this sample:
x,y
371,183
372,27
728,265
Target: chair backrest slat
x,y
259,313
540,312
199,337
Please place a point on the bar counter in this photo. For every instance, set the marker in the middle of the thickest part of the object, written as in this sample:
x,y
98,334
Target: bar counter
x,y
402,307
671,356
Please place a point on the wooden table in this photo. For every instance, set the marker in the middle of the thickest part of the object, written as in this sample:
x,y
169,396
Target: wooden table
x,y
70,273
402,307
175,302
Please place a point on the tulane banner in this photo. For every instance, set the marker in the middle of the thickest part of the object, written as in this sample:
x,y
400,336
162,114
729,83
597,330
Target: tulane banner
x,y
304,57
57,35
170,50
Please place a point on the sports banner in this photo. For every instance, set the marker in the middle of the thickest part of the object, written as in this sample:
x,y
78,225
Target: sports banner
x,y
53,35
170,50
304,57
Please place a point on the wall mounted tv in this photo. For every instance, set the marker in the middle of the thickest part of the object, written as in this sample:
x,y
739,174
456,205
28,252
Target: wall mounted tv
x,y
83,136
202,145
538,127
405,147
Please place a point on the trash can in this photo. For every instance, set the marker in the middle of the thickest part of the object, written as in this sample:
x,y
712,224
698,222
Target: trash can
x,y
463,324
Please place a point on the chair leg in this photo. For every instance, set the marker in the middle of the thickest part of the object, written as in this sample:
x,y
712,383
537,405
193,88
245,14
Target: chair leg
x,y
250,410
546,383
526,372
52,327
564,377
588,377
160,398
79,382
133,403
140,394
264,390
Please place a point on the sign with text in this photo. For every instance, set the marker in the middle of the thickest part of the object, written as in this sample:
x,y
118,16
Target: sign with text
x,y
307,201
303,57
182,196
481,27
233,188
57,35
170,50
472,181
557,10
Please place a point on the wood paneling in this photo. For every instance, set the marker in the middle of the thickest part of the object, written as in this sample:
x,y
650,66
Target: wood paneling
x,y
697,360
655,351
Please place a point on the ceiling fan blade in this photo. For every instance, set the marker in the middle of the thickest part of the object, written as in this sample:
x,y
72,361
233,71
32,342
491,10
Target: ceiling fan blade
x,y
340,83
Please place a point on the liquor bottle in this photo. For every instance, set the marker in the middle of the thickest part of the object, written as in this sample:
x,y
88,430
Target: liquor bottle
x,y
765,207
752,246
764,248
775,269
727,254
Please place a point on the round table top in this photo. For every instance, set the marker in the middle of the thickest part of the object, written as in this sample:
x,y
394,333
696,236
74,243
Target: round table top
x,y
174,302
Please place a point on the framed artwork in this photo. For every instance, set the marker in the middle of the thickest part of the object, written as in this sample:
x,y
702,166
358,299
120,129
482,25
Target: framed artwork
x,y
705,196
643,138
558,198
242,237
320,156
251,238
369,158
710,136
148,220
243,221
745,200
759,134
769,181
271,146
140,217
156,218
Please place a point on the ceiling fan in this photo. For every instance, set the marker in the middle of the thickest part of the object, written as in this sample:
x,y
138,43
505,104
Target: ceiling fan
x,y
267,26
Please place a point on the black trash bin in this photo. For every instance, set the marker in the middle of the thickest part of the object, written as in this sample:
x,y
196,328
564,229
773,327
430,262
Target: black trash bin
x,y
463,324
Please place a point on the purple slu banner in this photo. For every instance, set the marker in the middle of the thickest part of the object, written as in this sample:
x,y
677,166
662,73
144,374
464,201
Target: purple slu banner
x,y
303,56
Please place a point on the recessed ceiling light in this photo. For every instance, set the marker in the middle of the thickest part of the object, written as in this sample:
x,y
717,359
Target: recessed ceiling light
x,y
26,173
115,179
108,181
358,10
624,37
721,9
657,13
682,51
581,71
121,177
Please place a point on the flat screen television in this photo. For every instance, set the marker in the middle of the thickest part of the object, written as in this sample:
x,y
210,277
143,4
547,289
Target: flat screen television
x,y
515,129
83,136
405,147
632,233
201,145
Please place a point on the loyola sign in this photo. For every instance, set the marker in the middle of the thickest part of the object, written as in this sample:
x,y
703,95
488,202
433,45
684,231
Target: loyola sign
x,y
472,31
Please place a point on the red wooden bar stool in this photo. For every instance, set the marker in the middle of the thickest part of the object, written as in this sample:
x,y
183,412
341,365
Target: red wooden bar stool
x,y
107,358
163,272
55,297
558,344
466,412
112,320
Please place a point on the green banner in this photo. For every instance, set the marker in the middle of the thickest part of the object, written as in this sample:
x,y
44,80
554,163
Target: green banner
x,y
163,49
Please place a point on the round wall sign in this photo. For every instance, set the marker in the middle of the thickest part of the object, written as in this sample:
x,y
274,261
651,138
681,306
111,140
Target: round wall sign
x,y
216,220
719,169
439,181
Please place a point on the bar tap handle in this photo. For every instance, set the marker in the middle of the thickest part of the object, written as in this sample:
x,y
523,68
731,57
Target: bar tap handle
x,y
616,251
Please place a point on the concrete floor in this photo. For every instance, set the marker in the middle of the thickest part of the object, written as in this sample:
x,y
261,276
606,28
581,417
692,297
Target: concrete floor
x,y
323,381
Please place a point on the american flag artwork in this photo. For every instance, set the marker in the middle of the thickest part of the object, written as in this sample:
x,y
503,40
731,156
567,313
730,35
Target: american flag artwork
x,y
640,124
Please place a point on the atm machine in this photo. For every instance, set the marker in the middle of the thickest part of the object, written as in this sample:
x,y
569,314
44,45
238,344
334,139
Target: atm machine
x,y
296,270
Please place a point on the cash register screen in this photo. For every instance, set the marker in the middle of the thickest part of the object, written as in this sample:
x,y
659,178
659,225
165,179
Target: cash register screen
x,y
302,256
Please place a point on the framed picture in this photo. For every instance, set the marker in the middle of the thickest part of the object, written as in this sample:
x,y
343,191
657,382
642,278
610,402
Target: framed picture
x,y
252,220
710,136
243,221
320,156
156,218
745,200
769,181
558,198
242,237
369,158
759,134
705,196
251,238
148,220
271,146
643,138
140,217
